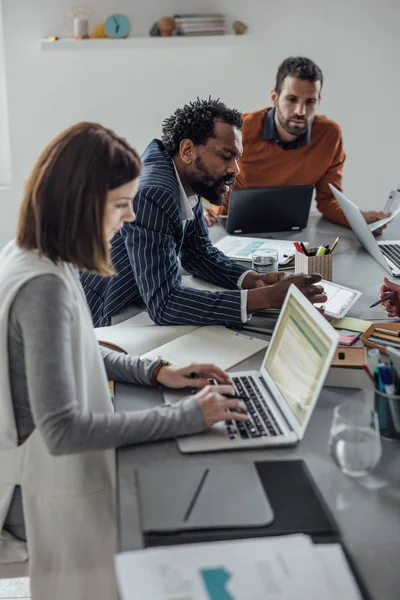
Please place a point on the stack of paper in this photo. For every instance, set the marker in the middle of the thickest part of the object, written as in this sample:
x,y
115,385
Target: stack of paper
x,y
278,568
181,344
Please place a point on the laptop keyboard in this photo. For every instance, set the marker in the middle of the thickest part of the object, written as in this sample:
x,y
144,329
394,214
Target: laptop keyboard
x,y
392,252
261,422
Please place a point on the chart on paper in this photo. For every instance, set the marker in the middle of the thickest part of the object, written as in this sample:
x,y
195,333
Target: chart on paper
x,y
241,248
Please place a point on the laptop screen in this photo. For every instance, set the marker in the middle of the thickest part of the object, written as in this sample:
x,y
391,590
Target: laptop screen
x,y
297,357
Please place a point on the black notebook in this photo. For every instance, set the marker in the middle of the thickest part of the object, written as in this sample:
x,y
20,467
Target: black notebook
x,y
297,504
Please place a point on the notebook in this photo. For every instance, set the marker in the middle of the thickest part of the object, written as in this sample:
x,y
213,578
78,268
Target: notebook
x,y
376,339
180,344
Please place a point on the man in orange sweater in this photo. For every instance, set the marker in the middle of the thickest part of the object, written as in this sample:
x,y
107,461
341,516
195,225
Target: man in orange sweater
x,y
289,144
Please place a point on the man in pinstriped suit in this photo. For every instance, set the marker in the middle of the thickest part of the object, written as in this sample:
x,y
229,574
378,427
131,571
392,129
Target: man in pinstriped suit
x,y
198,156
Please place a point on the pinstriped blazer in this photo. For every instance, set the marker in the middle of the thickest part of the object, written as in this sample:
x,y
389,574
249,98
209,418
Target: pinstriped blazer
x,y
146,257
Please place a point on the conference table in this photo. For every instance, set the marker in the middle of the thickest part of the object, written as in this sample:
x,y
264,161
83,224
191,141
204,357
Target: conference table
x,y
368,515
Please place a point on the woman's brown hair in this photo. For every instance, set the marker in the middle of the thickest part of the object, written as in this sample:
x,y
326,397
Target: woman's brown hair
x,y
63,208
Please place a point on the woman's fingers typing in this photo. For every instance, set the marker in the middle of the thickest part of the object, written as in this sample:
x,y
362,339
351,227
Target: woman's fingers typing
x,y
216,407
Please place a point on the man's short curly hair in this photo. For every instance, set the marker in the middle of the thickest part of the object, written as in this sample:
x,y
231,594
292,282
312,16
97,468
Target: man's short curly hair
x,y
196,121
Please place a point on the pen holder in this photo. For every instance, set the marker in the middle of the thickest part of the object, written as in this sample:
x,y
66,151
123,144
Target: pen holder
x,y
314,264
387,407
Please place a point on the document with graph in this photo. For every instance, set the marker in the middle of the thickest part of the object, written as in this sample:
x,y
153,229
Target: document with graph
x,y
278,568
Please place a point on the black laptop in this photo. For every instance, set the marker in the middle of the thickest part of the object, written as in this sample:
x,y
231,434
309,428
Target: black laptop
x,y
260,210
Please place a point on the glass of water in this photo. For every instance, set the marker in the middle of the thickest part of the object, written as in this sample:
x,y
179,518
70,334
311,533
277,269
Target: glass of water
x,y
265,261
354,440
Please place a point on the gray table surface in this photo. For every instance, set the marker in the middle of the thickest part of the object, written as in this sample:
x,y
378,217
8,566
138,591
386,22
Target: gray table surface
x,y
368,516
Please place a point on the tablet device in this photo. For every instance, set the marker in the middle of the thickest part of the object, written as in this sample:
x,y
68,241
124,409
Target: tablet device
x,y
340,299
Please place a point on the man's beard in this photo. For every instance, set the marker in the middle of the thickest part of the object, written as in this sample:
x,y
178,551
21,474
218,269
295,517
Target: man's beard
x,y
296,130
208,186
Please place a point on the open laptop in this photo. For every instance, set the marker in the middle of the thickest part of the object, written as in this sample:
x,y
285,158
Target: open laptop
x,y
260,210
281,397
386,253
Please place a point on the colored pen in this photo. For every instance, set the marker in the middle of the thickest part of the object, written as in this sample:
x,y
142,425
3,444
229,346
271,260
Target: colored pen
x,y
298,247
321,251
387,296
387,378
388,332
334,244
304,249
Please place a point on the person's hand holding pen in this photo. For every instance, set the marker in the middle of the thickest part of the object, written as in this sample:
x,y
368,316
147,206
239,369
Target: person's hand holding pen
x,y
392,304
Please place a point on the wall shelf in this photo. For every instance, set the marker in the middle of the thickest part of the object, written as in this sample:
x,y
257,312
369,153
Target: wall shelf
x,y
144,42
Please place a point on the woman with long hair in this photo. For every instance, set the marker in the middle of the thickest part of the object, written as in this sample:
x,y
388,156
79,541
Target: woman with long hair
x,y
57,426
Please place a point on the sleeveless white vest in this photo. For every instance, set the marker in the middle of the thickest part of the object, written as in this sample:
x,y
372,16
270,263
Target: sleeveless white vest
x,y
68,501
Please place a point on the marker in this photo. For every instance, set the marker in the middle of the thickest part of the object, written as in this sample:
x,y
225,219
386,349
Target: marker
x,y
304,249
298,247
321,251
387,379
388,332
387,296
334,244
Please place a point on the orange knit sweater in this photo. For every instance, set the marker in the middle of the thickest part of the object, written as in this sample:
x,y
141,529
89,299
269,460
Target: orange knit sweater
x,y
265,164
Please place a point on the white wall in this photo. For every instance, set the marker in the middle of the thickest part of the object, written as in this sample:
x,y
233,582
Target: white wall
x,y
355,42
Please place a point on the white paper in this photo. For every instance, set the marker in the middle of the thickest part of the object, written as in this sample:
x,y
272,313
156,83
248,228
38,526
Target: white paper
x,y
278,568
393,201
241,248
139,320
382,222
211,344
340,299
136,338
337,572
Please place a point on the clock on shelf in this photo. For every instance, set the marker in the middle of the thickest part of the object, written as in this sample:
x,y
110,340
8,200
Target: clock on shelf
x,y
117,26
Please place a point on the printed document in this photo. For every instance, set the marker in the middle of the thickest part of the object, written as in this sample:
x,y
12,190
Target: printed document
x,y
241,248
277,568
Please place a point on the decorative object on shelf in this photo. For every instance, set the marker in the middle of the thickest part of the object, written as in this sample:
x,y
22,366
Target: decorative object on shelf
x,y
200,24
166,26
100,32
154,31
53,38
79,22
117,26
239,27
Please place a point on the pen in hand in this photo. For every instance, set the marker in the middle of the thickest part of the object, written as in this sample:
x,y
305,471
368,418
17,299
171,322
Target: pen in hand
x,y
387,296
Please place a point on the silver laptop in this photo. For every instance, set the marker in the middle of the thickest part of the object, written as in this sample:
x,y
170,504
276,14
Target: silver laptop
x,y
281,397
386,253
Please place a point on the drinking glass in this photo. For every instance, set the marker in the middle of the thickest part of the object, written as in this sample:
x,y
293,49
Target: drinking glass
x,y
354,440
265,261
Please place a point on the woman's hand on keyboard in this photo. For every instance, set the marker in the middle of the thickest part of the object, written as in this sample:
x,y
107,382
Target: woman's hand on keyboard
x,y
216,407
195,375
